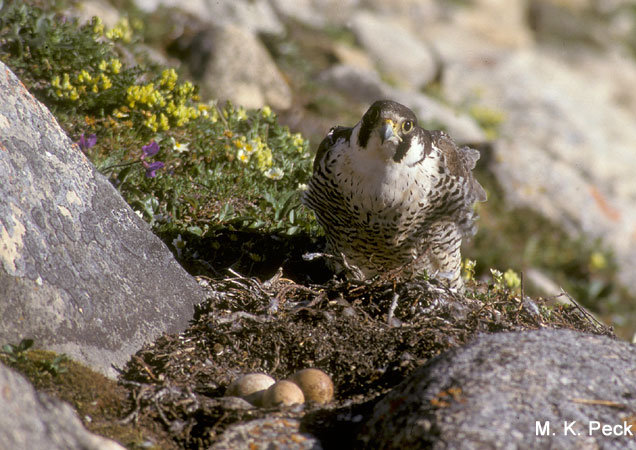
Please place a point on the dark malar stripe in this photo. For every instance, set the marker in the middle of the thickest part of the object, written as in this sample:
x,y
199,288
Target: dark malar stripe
x,y
402,150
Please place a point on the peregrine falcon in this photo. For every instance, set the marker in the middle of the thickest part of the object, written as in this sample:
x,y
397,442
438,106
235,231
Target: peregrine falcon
x,y
390,194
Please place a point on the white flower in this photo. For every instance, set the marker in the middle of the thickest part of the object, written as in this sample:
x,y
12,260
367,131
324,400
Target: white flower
x,y
274,173
179,147
243,156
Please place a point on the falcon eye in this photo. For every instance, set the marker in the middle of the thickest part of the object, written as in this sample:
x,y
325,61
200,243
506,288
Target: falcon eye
x,y
407,126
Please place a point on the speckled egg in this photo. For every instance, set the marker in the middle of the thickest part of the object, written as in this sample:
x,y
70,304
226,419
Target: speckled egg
x,y
283,393
315,384
250,387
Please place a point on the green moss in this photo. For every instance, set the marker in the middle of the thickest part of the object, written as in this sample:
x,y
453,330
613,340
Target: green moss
x,y
488,119
100,403
341,34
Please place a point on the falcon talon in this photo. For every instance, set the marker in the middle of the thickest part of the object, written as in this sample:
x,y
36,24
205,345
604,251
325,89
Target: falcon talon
x,y
391,195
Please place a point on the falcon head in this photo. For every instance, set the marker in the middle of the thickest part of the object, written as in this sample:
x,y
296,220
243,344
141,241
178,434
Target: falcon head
x,y
390,129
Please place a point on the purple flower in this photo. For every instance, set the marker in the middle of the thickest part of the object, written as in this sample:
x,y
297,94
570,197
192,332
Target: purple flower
x,y
152,168
150,150
86,143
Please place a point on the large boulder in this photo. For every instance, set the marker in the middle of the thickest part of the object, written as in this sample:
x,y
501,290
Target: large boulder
x,y
33,420
533,390
80,272
566,147
402,56
231,63
270,432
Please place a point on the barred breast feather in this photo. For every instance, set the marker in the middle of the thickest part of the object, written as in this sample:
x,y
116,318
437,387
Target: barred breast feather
x,y
390,194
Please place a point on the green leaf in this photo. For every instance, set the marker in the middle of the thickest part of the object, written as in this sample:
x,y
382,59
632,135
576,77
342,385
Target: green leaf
x,y
195,230
24,345
8,349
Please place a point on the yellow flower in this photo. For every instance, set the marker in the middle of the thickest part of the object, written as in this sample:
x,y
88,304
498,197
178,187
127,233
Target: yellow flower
x,y
169,78
84,77
298,140
98,26
597,261
513,282
102,66
469,269
121,31
120,113
66,82
185,90
258,143
209,111
241,114
151,122
264,158
239,143
182,113
145,94
163,121
115,65
266,111
105,81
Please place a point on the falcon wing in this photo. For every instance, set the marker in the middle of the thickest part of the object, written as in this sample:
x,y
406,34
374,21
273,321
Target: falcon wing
x,y
329,141
460,163
469,156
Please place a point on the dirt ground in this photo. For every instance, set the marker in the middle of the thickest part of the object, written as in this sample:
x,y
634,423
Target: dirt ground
x,y
367,336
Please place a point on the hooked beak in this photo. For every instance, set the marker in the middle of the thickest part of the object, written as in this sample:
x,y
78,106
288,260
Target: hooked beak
x,y
387,131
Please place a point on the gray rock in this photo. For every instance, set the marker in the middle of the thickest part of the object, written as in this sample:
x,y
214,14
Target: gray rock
x,y
33,420
399,54
366,86
566,147
317,13
234,65
581,23
268,433
493,392
363,85
501,23
254,15
303,11
79,272
415,14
